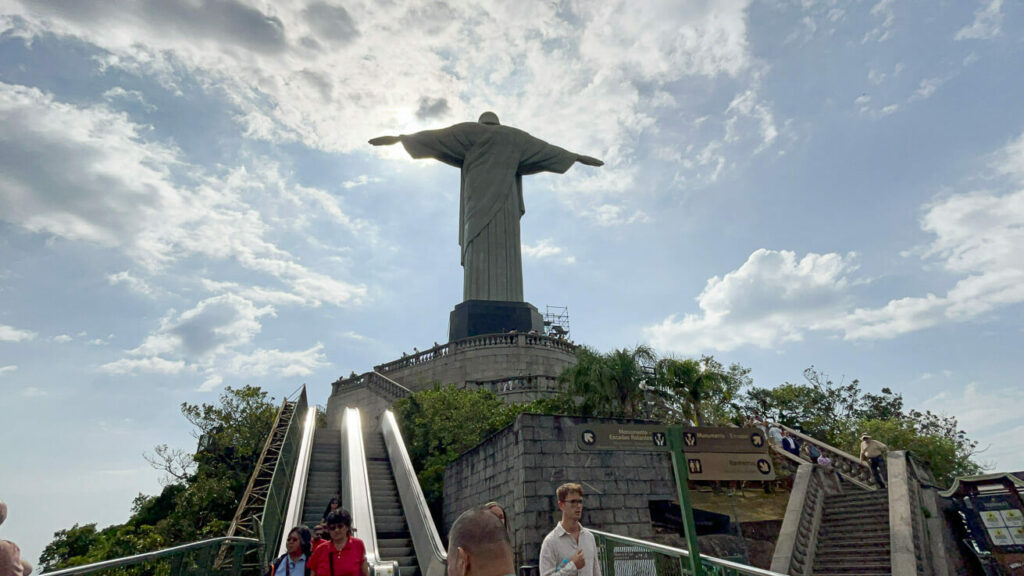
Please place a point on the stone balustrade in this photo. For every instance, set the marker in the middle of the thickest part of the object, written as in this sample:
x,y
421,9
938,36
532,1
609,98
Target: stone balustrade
x,y
504,340
848,465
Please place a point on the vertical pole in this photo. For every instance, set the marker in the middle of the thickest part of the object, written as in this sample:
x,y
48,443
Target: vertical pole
x,y
675,443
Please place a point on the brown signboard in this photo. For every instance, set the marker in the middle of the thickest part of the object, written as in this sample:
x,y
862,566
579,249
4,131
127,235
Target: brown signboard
x,y
637,437
724,439
729,466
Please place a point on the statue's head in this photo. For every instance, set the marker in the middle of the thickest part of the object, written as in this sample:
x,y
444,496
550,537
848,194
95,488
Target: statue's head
x,y
489,118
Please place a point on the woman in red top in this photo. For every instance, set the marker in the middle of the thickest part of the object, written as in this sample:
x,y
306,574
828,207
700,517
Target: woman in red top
x,y
343,554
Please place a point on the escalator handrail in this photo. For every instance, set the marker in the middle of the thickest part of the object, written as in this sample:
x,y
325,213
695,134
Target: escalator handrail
x,y
355,490
430,552
293,515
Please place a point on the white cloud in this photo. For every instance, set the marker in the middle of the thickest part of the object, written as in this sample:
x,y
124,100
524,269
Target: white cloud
x,y
926,89
87,174
774,297
545,248
979,406
262,362
118,93
988,22
8,369
296,72
62,338
214,338
211,383
883,31
12,334
213,327
361,180
34,392
151,364
977,237
135,284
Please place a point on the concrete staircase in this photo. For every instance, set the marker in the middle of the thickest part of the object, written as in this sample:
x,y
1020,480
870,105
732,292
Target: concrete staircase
x,y
393,539
854,536
324,480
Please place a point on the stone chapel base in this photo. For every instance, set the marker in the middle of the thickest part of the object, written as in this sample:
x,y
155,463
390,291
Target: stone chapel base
x,y
476,317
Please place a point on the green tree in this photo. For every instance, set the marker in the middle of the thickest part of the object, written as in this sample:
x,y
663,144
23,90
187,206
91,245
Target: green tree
x,y
201,490
610,384
699,391
440,423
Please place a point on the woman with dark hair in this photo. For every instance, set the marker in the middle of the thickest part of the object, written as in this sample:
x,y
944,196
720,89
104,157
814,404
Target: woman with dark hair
x,y
298,548
333,505
343,554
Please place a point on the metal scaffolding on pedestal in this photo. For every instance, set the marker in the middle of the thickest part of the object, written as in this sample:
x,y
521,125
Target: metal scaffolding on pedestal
x,y
556,322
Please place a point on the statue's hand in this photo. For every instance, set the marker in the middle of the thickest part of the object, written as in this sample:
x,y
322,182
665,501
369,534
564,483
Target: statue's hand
x,y
588,160
385,140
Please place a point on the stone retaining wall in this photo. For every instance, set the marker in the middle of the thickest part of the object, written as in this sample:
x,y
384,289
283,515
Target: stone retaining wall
x,y
522,465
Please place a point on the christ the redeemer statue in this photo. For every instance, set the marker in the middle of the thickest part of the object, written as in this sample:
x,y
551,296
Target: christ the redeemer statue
x,y
493,159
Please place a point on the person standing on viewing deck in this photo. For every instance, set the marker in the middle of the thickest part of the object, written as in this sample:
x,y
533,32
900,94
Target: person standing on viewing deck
x,y
569,549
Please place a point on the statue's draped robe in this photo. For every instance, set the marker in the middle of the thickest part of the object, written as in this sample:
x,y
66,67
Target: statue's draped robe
x,y
493,160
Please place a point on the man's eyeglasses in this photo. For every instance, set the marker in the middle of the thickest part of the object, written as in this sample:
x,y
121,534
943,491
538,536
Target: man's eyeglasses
x,y
574,502
334,526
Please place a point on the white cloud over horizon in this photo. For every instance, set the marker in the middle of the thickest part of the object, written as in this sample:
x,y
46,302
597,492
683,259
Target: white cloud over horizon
x,y
773,298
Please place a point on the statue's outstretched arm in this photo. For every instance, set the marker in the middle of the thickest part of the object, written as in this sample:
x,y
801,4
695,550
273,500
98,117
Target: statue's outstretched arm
x,y
588,160
385,140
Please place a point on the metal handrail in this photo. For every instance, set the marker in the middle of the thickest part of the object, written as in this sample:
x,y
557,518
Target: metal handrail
x,y
430,552
709,563
156,555
355,490
293,515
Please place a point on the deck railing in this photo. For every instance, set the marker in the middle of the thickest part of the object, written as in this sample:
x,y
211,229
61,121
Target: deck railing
x,y
193,559
623,556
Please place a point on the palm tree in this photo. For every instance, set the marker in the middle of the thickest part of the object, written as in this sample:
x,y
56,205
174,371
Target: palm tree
x,y
609,384
691,381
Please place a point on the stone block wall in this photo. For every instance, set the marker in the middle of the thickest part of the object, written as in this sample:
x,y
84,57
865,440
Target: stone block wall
x,y
371,405
522,466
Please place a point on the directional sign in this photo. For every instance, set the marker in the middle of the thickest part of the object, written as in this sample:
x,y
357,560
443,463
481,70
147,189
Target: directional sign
x,y
722,439
638,437
725,466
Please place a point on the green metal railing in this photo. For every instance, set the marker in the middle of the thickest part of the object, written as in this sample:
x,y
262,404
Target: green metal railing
x,y
193,559
622,556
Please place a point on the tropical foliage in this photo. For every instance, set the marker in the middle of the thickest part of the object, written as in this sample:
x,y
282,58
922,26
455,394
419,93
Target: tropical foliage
x,y
201,491
838,413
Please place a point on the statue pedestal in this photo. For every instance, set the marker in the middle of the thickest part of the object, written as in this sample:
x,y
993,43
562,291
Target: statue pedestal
x,y
475,317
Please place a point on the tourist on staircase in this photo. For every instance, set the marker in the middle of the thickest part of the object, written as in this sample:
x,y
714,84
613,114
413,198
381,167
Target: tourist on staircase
x,y
298,548
343,554
872,451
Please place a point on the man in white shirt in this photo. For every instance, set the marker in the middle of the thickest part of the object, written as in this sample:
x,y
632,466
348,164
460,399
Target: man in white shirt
x,y
569,549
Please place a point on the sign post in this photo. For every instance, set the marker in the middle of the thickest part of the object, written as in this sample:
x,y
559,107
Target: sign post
x,y
675,443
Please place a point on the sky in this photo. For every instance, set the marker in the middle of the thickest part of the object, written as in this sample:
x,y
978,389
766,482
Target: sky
x,y
188,202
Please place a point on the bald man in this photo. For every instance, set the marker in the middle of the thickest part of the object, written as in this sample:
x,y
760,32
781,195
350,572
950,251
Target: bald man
x,y
478,546
11,562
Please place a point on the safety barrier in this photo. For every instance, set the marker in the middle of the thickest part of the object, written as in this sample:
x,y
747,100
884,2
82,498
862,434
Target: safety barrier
x,y
623,556
193,559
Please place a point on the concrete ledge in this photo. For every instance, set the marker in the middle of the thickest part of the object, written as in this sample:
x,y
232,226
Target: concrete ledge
x,y
901,522
786,544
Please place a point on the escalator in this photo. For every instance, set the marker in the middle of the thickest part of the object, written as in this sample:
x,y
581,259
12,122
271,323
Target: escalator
x,y
324,479
393,539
